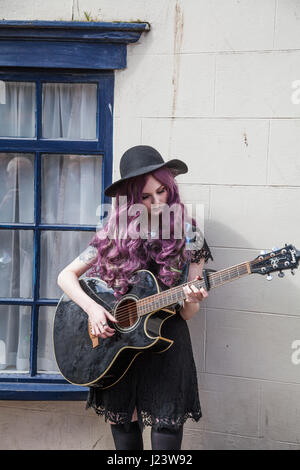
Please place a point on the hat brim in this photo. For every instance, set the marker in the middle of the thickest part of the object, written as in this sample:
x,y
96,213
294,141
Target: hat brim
x,y
177,167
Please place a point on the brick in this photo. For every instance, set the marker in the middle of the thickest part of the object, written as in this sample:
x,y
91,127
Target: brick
x,y
253,345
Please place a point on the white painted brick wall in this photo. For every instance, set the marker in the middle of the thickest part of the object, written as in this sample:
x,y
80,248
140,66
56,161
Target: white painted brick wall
x,y
256,84
211,83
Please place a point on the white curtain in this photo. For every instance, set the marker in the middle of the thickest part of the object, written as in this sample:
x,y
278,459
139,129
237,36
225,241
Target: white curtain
x,y
17,109
16,253
71,191
69,110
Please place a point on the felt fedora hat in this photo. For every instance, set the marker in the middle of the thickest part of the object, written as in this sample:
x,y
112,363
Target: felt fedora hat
x,y
142,159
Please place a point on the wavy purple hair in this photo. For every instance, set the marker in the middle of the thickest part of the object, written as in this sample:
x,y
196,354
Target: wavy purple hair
x,y
118,258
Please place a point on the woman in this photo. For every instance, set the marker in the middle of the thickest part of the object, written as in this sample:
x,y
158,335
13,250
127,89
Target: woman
x,y
159,390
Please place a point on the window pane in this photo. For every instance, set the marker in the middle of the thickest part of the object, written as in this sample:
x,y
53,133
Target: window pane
x,y
45,353
58,249
16,187
16,262
17,109
14,337
71,189
69,111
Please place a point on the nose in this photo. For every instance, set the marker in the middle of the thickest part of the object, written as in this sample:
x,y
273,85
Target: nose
x,y
156,199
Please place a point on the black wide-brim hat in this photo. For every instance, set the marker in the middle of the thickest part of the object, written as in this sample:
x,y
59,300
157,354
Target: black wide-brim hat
x,y
142,159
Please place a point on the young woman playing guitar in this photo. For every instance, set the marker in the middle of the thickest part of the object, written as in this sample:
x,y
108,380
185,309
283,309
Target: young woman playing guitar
x,y
159,390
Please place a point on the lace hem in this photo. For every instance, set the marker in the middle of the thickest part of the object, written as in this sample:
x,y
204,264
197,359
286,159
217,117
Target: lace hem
x,y
146,418
168,421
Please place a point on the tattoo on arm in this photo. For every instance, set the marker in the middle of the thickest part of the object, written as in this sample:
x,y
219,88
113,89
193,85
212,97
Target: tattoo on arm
x,y
89,255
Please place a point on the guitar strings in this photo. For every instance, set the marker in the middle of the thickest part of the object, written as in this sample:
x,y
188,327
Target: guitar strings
x,y
127,308
125,311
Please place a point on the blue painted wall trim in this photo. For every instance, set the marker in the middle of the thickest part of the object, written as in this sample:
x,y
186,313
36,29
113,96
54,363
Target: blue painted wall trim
x,y
67,44
62,54
42,392
42,387
76,28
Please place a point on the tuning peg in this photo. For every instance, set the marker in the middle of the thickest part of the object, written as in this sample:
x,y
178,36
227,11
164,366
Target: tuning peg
x,y
280,274
292,272
275,248
269,277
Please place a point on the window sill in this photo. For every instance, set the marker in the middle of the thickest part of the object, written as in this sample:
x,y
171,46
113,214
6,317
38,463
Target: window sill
x,y
42,391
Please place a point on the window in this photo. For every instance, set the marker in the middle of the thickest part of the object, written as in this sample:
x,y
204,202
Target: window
x,y
55,159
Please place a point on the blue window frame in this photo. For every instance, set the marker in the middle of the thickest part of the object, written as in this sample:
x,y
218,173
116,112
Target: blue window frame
x,y
57,61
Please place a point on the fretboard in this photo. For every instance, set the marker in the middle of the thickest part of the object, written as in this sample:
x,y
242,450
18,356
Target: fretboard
x,y
176,294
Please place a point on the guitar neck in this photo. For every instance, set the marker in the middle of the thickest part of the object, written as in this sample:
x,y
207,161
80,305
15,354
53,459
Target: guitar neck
x,y
176,294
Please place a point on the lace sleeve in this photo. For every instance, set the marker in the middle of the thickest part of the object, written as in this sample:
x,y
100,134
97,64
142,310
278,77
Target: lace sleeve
x,y
204,252
196,245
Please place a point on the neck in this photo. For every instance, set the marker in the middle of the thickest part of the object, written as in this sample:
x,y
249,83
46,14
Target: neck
x,y
176,294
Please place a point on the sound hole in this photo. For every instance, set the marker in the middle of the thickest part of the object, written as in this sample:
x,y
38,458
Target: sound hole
x,y
126,314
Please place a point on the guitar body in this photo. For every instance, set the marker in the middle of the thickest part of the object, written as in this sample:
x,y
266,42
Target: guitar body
x,y
87,360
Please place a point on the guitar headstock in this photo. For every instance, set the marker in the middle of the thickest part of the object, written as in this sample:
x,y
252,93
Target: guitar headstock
x,y
276,260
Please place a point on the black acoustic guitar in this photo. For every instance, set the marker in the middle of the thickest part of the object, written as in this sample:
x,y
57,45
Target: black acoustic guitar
x,y
87,360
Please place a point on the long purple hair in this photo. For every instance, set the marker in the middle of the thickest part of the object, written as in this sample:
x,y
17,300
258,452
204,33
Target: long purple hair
x,y
118,258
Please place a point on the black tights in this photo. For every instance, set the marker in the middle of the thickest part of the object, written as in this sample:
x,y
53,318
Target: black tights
x,y
131,438
166,439
127,438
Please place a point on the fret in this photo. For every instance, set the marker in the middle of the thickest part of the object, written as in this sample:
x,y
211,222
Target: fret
x,y
141,308
175,294
227,275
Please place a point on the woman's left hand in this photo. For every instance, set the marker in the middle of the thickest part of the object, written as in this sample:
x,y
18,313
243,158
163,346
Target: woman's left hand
x,y
194,295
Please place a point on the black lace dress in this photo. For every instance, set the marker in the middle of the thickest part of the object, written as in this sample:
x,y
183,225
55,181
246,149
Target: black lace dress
x,y
163,387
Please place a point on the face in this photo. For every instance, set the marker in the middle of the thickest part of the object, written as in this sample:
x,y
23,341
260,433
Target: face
x,y
154,195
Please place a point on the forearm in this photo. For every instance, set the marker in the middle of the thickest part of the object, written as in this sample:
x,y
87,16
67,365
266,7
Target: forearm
x,y
69,283
189,309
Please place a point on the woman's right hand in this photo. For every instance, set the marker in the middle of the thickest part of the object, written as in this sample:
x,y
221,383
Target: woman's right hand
x,y
98,316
